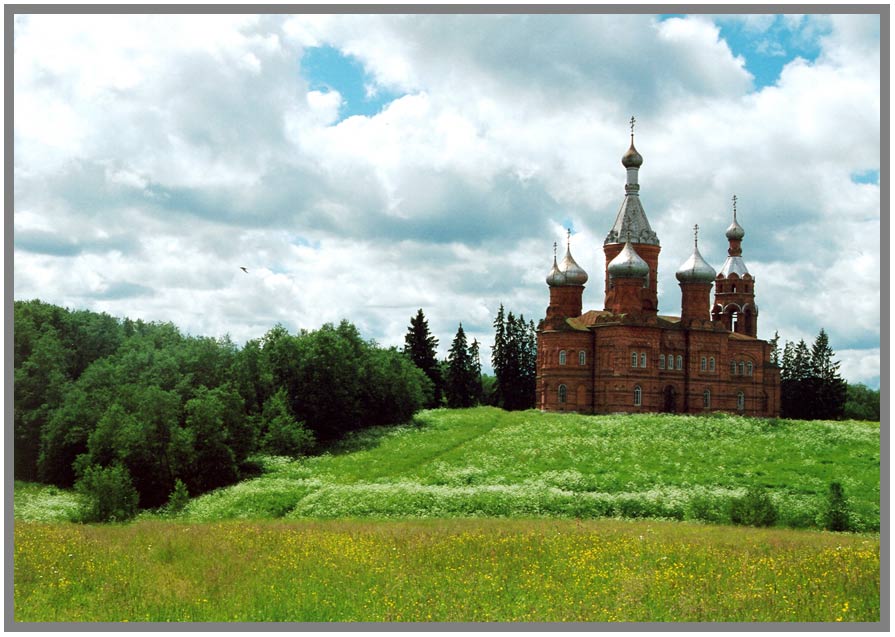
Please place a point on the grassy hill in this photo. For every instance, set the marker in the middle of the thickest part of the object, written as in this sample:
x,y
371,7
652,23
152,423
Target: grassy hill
x,y
485,462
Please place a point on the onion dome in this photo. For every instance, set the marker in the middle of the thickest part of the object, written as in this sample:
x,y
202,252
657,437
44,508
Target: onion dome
x,y
628,264
574,274
632,159
735,232
695,269
556,276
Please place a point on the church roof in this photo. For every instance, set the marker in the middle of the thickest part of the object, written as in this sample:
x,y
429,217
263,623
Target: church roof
x,y
631,221
734,265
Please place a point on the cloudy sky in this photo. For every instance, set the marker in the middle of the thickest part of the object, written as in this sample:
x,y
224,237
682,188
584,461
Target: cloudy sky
x,y
365,166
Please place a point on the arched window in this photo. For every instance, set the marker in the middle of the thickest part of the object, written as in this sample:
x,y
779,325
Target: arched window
x,y
702,364
741,401
680,361
562,357
643,359
712,364
742,368
749,368
733,368
633,359
582,357
661,361
638,396
562,394
707,399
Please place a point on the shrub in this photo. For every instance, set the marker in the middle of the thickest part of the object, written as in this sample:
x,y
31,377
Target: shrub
x,y
753,509
836,513
179,498
109,495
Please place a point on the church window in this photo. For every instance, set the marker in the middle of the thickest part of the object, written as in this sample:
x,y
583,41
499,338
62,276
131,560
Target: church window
x,y
661,361
742,368
702,364
562,393
638,396
643,359
749,368
680,361
741,401
633,359
733,368
706,399
582,357
712,364
562,357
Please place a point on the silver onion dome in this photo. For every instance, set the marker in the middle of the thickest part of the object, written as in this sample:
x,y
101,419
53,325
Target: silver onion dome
x,y
574,274
628,264
555,277
735,231
695,270
632,159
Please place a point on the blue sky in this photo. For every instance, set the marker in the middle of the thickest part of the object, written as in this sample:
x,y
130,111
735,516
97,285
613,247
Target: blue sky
x,y
366,166
326,69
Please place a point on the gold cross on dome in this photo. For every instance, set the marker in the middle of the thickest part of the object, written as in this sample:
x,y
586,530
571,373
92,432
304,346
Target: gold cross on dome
x,y
632,125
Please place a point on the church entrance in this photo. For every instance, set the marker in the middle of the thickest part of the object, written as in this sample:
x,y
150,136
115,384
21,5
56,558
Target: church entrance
x,y
670,400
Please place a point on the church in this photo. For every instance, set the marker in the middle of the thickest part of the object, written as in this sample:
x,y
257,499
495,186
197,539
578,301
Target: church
x,y
629,358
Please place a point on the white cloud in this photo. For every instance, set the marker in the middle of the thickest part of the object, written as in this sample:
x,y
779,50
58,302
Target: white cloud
x,y
155,155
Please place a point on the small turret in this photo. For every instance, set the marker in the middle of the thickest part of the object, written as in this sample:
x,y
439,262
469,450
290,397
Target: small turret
x,y
734,286
696,278
566,282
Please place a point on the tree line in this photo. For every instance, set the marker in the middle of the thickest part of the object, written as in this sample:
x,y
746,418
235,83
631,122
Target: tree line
x,y
458,381
811,387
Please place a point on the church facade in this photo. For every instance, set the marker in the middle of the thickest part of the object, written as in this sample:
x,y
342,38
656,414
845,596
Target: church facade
x,y
629,358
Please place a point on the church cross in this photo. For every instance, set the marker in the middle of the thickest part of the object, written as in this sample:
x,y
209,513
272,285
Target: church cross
x,y
734,207
632,125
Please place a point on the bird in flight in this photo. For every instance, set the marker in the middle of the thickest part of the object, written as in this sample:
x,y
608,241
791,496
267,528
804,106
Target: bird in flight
x,y
243,269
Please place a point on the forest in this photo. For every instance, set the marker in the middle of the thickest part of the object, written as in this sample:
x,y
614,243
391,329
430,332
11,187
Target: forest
x,y
135,406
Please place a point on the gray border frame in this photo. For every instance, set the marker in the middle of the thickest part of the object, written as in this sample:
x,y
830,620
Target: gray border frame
x,y
883,10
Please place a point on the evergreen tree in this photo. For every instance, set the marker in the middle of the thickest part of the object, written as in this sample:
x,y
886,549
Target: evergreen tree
x,y
421,347
476,371
811,387
461,378
830,389
515,362
499,355
775,349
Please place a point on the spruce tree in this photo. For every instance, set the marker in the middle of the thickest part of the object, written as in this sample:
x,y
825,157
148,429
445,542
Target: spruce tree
x,y
775,349
499,354
461,378
476,371
421,346
829,388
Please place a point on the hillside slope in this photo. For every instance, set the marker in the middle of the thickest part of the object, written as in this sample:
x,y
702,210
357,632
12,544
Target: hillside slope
x,y
487,462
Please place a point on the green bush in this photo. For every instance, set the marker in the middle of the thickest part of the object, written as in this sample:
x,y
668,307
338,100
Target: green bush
x,y
836,513
753,509
109,495
179,498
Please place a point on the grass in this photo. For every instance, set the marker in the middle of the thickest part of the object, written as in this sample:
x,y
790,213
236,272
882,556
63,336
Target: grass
x,y
485,462
485,515
441,571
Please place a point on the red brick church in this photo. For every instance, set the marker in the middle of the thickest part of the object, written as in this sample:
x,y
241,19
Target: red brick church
x,y
629,358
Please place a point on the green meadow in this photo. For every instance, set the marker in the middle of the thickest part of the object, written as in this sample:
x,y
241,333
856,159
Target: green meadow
x,y
486,515
486,462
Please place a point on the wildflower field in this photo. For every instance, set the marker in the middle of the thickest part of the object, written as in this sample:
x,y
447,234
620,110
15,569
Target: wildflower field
x,y
433,571
485,515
